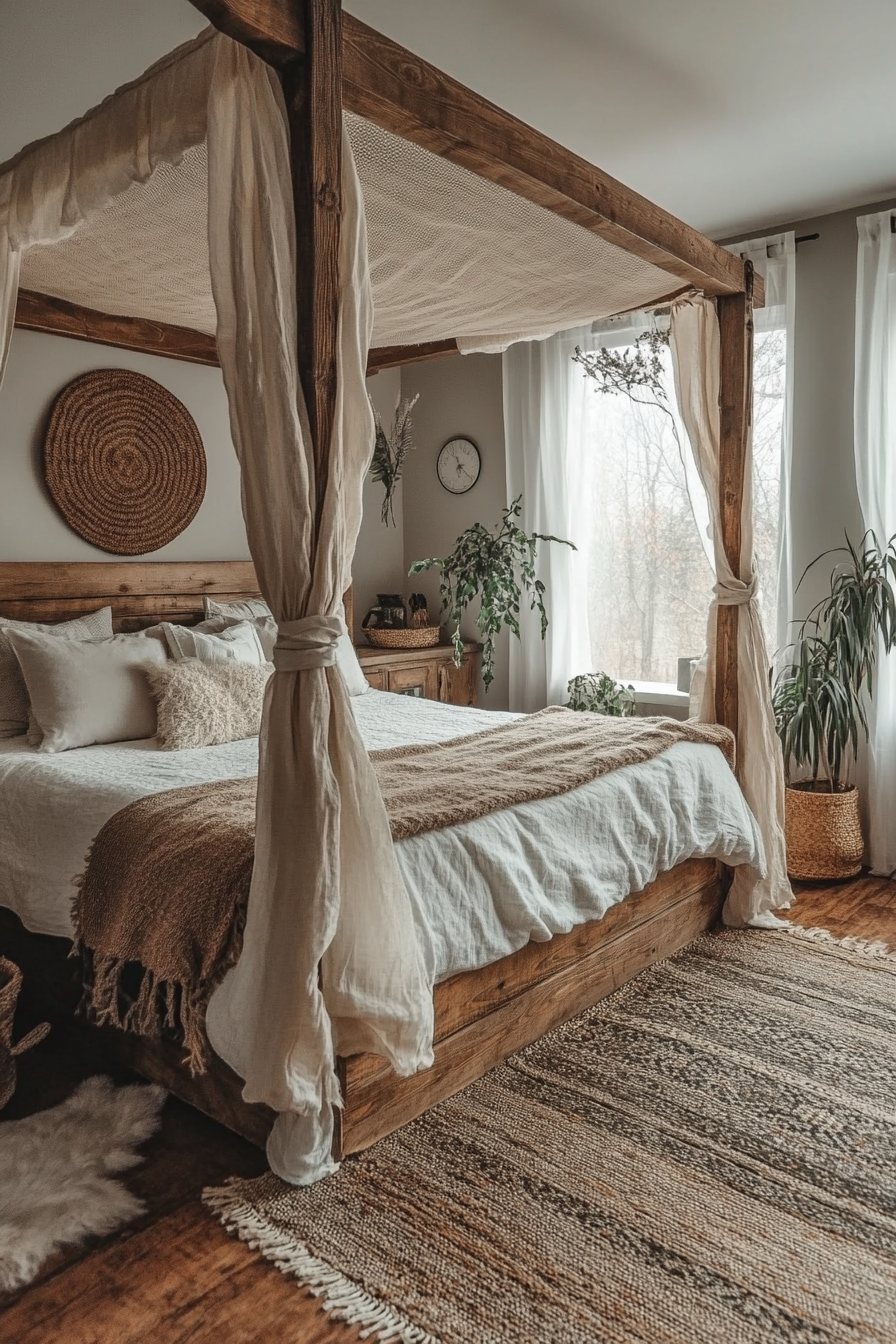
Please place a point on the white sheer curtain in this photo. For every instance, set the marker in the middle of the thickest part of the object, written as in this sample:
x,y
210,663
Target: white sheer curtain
x,y
774,258
544,394
694,338
330,961
875,451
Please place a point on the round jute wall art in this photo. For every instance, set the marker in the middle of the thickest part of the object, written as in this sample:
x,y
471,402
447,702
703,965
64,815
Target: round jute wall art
x,y
124,461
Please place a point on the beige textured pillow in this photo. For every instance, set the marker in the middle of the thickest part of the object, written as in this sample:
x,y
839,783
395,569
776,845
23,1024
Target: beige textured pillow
x,y
13,693
87,691
205,704
247,610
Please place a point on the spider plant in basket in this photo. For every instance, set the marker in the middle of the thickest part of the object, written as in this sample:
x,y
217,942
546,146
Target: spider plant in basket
x,y
820,698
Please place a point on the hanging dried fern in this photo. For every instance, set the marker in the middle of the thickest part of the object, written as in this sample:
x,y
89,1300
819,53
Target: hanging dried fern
x,y
390,451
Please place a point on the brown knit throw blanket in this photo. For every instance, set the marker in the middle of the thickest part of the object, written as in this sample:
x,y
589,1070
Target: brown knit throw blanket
x,y
168,876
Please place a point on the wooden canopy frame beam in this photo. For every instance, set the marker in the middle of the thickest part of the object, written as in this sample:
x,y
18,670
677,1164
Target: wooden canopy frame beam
x,y
399,91
58,317
402,93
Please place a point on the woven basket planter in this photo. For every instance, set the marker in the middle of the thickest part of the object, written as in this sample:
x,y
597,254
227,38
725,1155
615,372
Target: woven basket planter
x,y
823,831
10,984
417,637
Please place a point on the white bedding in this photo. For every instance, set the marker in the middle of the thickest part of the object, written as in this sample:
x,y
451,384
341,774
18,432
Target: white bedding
x,y
479,891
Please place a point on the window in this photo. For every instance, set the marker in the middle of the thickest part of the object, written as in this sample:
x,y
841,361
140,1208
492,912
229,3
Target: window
x,y
769,387
650,577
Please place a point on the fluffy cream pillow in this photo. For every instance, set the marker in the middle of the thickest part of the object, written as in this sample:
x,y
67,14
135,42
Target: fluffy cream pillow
x,y
13,694
87,691
205,704
239,642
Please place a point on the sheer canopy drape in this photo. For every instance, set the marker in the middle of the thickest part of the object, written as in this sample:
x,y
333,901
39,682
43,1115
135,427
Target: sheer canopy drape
x,y
694,338
875,454
774,258
330,959
544,395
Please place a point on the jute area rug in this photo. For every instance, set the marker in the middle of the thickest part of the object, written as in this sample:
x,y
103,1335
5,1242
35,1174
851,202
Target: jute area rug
x,y
706,1157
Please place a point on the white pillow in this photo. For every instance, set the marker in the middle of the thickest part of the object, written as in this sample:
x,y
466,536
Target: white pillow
x,y
86,691
239,643
346,659
13,693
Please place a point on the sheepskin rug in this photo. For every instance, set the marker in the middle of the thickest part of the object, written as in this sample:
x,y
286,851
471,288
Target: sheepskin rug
x,y
56,1171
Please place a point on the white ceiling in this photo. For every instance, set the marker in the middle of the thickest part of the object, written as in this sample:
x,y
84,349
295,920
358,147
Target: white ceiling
x,y
731,115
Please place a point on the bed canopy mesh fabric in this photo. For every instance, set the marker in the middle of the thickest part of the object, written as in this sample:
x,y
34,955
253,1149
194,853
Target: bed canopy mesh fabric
x,y
452,255
173,201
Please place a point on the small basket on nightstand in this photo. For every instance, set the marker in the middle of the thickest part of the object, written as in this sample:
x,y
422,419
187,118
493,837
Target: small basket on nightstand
x,y
417,637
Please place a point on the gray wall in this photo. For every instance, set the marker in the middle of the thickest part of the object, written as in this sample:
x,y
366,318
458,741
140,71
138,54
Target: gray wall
x,y
32,529
461,395
379,556
59,58
39,368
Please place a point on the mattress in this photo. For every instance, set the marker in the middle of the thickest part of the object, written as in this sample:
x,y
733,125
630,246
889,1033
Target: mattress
x,y
479,891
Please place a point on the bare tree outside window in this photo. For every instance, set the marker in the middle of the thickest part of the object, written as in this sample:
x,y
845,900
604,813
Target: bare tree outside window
x,y
650,581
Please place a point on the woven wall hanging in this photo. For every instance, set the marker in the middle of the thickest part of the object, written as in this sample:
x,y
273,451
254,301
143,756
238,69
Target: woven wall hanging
x,y
124,461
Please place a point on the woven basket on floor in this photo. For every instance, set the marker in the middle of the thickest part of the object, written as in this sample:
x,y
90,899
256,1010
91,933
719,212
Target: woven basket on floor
x,y
823,831
10,984
418,637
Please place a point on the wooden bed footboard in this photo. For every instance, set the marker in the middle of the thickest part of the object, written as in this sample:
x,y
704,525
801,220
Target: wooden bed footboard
x,y
481,1016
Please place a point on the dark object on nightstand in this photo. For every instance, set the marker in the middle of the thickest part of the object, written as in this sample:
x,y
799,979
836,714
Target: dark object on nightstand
x,y
388,614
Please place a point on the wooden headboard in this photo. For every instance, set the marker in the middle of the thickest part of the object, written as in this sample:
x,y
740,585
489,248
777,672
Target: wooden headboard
x,y
139,592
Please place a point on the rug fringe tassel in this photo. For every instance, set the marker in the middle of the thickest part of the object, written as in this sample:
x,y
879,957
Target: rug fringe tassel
x,y
865,947
344,1300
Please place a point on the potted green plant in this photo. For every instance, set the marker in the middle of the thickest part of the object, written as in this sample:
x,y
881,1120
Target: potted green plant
x,y
819,698
598,693
496,566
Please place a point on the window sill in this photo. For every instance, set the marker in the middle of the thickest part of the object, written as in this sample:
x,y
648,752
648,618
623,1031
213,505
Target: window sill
x,y
658,693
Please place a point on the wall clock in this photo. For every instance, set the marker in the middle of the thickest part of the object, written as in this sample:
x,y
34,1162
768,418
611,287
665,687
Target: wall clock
x,y
459,465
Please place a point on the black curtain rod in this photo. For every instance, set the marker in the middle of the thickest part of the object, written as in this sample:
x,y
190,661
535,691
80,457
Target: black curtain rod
x,y
807,238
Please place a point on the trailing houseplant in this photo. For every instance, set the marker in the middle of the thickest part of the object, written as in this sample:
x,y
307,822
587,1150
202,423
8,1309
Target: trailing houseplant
x,y
498,567
390,451
598,693
819,698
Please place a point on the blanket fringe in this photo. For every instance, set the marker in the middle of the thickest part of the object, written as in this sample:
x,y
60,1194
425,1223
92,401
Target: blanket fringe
x,y
343,1299
864,947
159,1004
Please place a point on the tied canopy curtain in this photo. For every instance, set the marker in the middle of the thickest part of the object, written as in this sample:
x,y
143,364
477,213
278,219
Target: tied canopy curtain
x,y
875,455
330,961
544,394
774,258
694,338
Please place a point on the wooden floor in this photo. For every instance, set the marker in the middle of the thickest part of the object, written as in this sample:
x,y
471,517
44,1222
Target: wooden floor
x,y
175,1276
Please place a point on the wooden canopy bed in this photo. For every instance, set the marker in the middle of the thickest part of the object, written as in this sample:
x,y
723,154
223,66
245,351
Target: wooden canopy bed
x,y
329,62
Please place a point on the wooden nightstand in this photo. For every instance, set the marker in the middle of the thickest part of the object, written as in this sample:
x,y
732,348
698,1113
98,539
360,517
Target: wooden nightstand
x,y
429,673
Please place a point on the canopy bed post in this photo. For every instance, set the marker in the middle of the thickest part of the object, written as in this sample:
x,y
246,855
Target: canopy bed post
x,y
736,415
313,90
